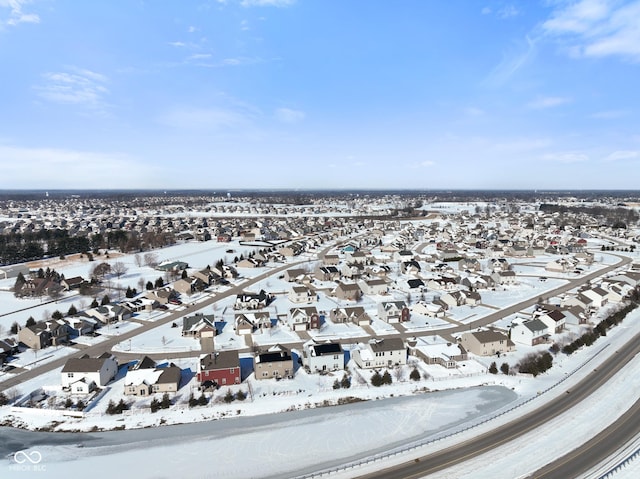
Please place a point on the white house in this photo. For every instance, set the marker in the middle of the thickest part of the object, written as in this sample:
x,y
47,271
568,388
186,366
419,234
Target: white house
x,y
323,357
530,332
380,353
79,374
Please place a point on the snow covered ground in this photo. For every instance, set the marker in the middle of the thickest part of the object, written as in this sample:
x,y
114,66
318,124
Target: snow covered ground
x,y
307,440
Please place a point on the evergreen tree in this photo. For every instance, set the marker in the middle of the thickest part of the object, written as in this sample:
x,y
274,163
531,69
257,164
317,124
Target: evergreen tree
x,y
184,274
57,315
72,310
155,405
346,381
504,368
336,384
192,401
386,378
149,286
415,375
493,369
105,300
80,405
15,327
202,400
229,396
166,401
241,395
159,282
376,379
94,303
30,322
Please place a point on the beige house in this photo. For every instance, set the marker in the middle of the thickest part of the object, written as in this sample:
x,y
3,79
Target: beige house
x,y
277,362
352,314
43,334
380,353
487,343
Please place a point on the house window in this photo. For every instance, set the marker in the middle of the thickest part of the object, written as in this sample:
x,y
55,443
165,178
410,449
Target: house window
x,y
232,371
265,374
69,375
224,380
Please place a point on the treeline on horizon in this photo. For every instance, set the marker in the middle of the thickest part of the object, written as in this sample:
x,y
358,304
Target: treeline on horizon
x,y
618,217
303,196
17,247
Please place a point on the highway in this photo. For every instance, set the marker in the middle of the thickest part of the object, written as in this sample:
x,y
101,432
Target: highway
x,y
569,466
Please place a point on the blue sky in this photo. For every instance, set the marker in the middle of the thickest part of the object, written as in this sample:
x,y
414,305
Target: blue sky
x,y
411,94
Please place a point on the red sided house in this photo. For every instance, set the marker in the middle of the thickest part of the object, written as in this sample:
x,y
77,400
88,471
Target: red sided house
x,y
221,368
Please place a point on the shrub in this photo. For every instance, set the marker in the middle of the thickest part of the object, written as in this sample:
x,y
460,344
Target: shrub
x,y
386,378
493,369
415,375
241,395
376,379
229,396
345,382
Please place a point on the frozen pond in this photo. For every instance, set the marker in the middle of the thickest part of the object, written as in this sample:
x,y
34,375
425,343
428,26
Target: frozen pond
x,y
259,446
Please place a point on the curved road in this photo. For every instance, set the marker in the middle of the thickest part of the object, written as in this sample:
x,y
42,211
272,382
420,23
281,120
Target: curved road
x,y
569,466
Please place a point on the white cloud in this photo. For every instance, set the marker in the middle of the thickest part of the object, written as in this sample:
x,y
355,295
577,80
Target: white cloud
x,y
16,14
486,11
51,167
287,115
519,145
566,157
427,163
514,60
609,115
267,3
76,86
598,28
199,56
541,103
203,118
472,111
622,155
178,44
508,11
191,29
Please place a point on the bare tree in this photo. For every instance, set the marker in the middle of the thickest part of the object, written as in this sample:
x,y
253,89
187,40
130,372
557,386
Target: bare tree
x,y
138,259
151,260
119,268
398,373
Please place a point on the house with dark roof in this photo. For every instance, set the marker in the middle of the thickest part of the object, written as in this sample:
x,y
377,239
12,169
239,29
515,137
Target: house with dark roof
x,y
530,333
323,357
351,314
81,375
199,326
276,362
219,368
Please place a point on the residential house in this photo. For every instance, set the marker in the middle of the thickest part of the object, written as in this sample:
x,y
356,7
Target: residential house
x,y
44,333
347,291
276,362
248,323
146,381
432,310
110,313
486,343
351,314
199,326
327,273
380,353
301,294
373,286
303,318
554,320
222,368
81,375
437,350
247,300
530,333
323,357
393,311
73,283
292,274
